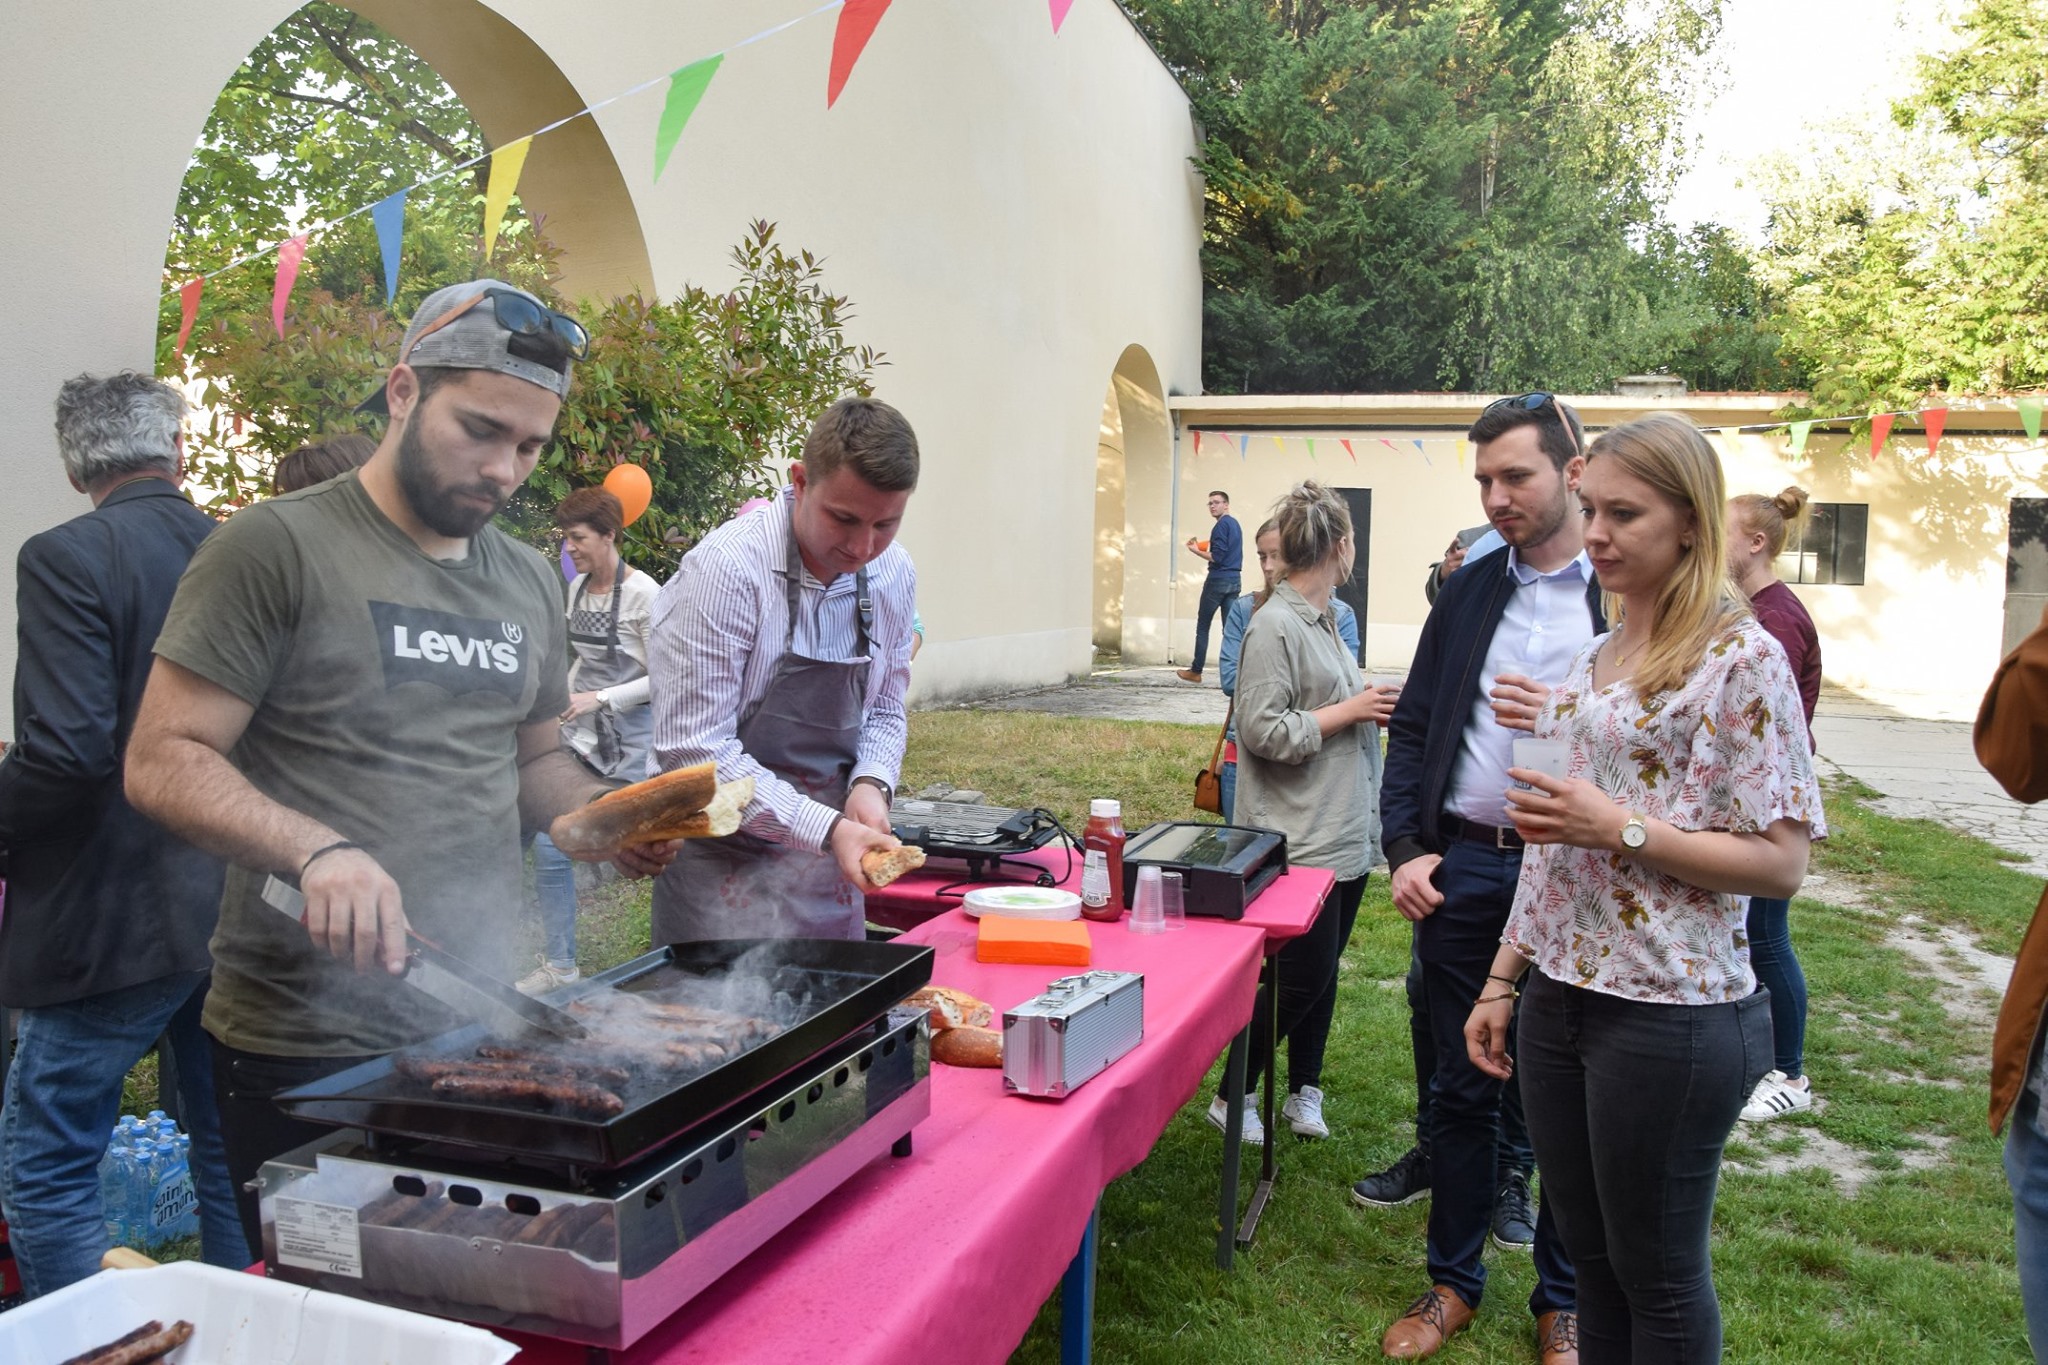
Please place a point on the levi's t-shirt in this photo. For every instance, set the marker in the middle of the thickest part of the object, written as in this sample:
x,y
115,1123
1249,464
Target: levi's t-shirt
x,y
389,688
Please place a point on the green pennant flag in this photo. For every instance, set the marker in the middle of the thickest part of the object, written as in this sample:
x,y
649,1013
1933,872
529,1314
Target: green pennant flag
x,y
2030,417
685,88
1311,447
1800,431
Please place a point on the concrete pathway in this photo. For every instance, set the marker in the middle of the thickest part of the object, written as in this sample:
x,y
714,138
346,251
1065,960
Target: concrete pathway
x,y
1925,769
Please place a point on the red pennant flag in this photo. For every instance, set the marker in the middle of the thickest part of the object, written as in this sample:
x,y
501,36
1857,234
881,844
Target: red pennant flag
x,y
1349,451
1934,420
188,304
1880,427
288,257
857,20
1059,13
1198,443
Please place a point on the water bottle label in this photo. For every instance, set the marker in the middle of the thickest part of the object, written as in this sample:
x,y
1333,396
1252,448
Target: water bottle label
x,y
174,1199
323,1237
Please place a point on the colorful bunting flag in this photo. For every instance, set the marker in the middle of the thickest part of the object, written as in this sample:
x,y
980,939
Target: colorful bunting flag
x,y
1278,446
857,20
289,254
1244,439
1349,451
1880,428
2030,417
1424,453
389,216
685,88
1800,431
1731,439
1934,420
506,164
188,307
1311,447
1059,13
1198,443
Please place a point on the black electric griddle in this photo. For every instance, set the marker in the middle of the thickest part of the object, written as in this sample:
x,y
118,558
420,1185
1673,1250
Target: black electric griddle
x,y
848,983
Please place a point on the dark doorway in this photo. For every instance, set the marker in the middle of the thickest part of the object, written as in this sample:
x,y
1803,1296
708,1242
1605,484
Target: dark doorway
x,y
2026,569
1359,500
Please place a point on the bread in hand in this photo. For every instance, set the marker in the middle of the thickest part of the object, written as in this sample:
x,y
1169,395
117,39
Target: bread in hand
x,y
884,865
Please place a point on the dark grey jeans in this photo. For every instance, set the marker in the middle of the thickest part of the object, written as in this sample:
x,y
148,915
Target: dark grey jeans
x,y
1629,1105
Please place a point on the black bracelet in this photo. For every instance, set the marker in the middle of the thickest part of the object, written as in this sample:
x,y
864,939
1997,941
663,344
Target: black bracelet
x,y
1504,980
318,853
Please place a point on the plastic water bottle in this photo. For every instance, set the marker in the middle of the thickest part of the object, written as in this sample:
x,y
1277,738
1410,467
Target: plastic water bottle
x,y
141,1192
175,1207
114,1188
188,1224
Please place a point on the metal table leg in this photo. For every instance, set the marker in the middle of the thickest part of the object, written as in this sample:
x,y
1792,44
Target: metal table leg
x,y
1077,1296
1269,1001
1233,1145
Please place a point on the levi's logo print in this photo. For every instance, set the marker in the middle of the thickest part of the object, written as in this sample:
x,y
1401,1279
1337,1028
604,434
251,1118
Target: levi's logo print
x,y
456,653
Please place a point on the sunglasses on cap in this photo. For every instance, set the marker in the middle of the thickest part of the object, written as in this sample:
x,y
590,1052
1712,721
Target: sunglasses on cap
x,y
1536,402
518,315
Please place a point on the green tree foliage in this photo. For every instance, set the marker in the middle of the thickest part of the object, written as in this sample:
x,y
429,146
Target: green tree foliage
x,y
1459,193
1913,259
708,392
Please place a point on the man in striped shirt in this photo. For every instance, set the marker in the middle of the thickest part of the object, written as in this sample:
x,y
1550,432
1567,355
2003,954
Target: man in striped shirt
x,y
781,651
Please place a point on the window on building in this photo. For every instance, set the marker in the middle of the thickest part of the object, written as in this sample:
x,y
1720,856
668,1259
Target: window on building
x,y
1831,548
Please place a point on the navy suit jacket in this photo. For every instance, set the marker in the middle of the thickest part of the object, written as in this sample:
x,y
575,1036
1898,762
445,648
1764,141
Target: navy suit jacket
x,y
98,897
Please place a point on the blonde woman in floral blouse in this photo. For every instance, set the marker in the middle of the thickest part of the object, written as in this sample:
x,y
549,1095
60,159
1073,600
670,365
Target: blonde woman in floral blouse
x,y
1690,787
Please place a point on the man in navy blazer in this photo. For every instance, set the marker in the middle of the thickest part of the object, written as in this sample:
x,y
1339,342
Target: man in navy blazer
x,y
103,939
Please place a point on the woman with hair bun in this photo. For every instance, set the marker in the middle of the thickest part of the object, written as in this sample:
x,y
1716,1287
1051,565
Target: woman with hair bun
x,y
1689,787
1758,528
1308,765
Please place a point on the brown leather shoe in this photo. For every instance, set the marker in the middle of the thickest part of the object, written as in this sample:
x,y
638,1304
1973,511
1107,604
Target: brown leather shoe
x,y
1429,1322
1188,675
1557,1338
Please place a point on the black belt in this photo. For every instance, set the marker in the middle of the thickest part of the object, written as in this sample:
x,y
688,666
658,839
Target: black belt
x,y
1472,832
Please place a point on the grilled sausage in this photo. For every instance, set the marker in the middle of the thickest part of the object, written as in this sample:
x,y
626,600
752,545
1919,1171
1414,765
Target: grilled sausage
x,y
147,1342
575,1067
580,1096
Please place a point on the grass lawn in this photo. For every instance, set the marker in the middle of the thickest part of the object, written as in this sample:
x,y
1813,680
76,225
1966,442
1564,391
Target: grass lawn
x,y
1875,1229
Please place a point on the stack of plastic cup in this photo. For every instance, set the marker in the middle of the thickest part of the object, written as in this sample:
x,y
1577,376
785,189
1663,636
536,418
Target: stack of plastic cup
x,y
1173,907
1148,911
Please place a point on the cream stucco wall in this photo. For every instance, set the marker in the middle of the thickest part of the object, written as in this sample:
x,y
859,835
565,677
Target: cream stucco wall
x,y
1012,213
1923,633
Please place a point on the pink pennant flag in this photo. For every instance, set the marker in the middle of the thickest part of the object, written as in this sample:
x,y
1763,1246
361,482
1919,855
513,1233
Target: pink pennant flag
x,y
1880,428
1934,420
1198,443
1349,451
857,20
1059,13
188,305
288,257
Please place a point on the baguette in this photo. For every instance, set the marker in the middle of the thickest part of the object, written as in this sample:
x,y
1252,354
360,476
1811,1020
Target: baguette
x,y
952,1009
646,812
884,865
968,1047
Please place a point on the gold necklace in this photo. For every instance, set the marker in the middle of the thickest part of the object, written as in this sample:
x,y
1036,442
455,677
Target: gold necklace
x,y
1620,659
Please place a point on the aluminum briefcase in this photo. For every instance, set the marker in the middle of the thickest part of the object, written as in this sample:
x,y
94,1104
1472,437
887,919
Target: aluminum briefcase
x,y
1054,1042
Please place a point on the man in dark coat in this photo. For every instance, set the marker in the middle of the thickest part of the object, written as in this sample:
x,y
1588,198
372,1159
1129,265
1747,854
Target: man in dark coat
x,y
103,940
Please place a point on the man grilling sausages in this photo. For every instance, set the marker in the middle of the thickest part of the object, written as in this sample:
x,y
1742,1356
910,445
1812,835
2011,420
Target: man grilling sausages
x,y
359,685
781,650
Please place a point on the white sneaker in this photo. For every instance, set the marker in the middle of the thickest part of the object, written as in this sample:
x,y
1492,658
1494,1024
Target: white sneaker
x,y
1304,1113
546,977
1254,1131
1776,1097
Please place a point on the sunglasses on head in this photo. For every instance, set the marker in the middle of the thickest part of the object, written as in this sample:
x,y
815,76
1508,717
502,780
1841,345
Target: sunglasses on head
x,y
517,314
1536,402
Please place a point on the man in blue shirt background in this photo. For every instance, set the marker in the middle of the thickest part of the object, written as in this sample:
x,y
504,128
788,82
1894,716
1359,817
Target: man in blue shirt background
x,y
1225,552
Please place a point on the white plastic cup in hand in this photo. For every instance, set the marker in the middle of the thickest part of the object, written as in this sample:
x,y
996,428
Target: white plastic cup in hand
x,y
1547,756
1148,913
1173,907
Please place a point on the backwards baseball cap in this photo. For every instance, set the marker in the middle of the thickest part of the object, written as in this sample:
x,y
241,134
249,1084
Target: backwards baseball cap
x,y
490,325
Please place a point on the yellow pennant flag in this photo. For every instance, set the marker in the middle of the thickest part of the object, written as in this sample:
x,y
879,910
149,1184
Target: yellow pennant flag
x,y
506,164
1731,440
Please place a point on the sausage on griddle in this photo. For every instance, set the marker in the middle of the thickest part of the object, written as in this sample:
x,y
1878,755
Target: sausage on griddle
x,y
567,1094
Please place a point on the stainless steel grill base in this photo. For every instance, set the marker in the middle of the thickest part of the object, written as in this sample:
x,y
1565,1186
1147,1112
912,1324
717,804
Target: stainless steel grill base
x,y
597,1257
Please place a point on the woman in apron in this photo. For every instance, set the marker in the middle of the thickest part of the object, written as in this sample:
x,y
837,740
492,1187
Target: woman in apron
x,y
608,724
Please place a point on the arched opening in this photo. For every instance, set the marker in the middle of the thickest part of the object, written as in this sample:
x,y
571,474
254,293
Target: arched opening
x,y
1132,598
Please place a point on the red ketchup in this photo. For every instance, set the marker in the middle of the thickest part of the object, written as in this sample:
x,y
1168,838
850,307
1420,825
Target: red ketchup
x,y
1105,831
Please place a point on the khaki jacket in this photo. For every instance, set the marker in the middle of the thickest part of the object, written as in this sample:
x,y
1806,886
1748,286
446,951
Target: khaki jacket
x,y
2012,744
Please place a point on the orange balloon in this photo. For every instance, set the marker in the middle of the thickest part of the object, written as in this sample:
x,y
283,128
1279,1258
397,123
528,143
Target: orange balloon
x,y
631,486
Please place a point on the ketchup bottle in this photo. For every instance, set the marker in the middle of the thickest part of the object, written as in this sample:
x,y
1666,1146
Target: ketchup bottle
x,y
1105,831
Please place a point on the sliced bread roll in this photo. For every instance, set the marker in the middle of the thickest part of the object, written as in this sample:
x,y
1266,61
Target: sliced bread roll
x,y
968,1047
884,865
688,803
953,1009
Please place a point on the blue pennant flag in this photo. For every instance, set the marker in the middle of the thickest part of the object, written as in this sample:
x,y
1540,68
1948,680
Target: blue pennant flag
x,y
389,216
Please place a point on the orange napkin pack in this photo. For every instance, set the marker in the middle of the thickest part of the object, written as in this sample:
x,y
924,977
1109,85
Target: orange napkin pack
x,y
1053,943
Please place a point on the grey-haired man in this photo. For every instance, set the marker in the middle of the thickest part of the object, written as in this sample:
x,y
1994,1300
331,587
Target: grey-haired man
x,y
359,686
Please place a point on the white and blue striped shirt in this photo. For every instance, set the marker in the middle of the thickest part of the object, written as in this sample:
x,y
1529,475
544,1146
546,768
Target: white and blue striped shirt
x,y
719,626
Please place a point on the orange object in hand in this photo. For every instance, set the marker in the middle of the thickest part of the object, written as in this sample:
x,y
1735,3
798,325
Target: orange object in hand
x,y
1202,545
1056,943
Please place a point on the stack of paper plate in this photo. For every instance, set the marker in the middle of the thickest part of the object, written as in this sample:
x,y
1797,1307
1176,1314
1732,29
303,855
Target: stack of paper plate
x,y
1022,902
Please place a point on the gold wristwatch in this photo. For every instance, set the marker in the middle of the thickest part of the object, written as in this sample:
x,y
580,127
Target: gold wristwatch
x,y
1635,832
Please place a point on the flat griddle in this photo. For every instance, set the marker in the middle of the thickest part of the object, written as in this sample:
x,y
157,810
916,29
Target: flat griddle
x,y
850,984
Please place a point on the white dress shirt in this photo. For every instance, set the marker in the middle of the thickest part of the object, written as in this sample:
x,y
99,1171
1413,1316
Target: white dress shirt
x,y
1545,623
719,627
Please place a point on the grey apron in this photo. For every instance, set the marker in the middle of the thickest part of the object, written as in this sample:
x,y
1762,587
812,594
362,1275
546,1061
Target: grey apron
x,y
622,737
806,731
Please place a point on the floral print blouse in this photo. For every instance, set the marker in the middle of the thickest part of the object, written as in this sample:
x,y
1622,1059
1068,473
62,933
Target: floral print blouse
x,y
1725,751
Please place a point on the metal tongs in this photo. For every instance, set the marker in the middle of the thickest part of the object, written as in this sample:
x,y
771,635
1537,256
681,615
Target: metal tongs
x,y
466,989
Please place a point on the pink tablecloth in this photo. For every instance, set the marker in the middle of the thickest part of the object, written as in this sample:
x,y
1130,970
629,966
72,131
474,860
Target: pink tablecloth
x,y
949,1253
1282,911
